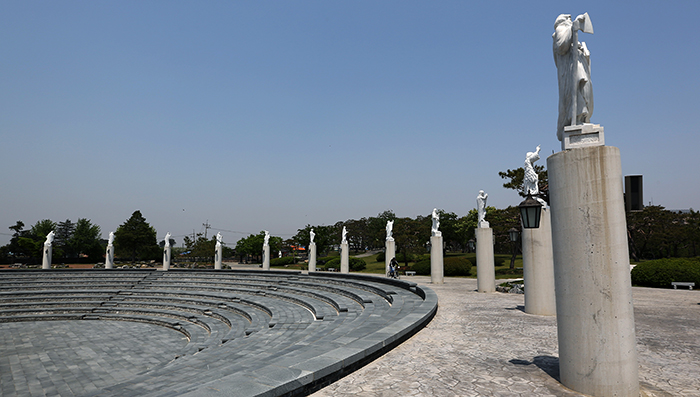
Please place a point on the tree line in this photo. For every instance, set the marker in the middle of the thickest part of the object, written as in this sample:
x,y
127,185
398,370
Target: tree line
x,y
652,233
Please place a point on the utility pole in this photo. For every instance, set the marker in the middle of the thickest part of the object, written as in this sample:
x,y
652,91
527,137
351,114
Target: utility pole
x,y
207,226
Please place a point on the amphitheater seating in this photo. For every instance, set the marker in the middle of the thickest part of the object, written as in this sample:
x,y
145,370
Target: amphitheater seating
x,y
249,332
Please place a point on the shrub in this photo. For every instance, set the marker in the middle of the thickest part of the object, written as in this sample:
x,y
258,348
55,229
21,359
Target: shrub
x,y
401,257
510,272
422,267
381,257
457,266
283,261
497,261
661,273
453,266
356,264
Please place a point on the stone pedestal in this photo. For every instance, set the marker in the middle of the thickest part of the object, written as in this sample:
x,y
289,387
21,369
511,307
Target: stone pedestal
x,y
266,257
437,269
390,253
538,268
46,260
344,258
109,257
218,257
312,257
485,268
595,318
166,258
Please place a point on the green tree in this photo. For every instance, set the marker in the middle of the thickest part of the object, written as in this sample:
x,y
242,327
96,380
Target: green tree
x,y
37,236
412,235
85,240
516,177
64,233
324,238
136,238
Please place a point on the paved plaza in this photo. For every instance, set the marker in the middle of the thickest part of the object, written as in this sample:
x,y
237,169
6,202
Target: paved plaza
x,y
485,345
477,345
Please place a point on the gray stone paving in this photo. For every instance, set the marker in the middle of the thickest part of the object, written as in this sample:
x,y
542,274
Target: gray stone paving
x,y
477,345
485,345
245,333
61,358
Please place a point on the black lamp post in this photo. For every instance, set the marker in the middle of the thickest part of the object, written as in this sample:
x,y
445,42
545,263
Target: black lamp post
x,y
530,211
513,233
472,246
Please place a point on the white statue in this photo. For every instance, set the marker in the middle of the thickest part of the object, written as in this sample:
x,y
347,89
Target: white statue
x,y
267,238
481,208
111,238
167,240
573,62
219,240
344,239
279,254
530,180
311,236
389,230
436,223
49,239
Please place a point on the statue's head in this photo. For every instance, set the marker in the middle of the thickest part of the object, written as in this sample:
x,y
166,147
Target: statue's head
x,y
563,18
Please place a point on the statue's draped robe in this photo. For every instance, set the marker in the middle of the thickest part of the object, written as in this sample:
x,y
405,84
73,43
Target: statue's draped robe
x,y
531,178
562,38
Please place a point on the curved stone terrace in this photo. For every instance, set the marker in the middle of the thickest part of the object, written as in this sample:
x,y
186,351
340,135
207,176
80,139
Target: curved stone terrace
x,y
197,333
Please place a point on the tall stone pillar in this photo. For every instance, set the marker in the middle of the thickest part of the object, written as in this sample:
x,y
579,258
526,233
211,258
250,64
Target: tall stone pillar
x,y
312,257
109,257
437,269
485,267
266,257
166,258
390,253
218,257
538,268
344,258
46,260
595,318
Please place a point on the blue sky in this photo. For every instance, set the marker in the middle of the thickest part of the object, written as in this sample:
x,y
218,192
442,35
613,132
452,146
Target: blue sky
x,y
272,115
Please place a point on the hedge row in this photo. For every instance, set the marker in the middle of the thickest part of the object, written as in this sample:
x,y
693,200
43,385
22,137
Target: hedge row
x,y
660,273
356,264
283,261
453,266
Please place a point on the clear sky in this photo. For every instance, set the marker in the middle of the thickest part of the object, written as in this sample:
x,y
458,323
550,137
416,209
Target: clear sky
x,y
276,114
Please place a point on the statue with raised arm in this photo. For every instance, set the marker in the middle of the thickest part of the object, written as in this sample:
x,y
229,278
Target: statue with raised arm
x,y
219,240
389,230
111,238
481,208
311,236
573,62
267,238
167,240
436,223
49,239
531,179
344,238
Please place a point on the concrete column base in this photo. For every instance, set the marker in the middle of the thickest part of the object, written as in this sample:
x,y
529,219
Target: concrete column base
x,y
485,267
109,257
266,257
390,253
46,259
344,258
437,268
218,258
595,318
166,258
312,257
538,268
